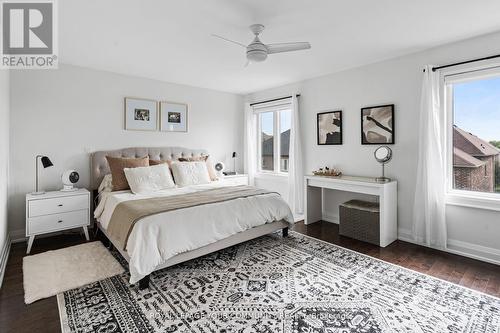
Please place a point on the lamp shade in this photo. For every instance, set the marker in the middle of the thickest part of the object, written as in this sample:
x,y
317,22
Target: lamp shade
x,y
46,162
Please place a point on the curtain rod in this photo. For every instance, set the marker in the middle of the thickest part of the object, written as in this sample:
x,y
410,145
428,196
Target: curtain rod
x,y
273,100
465,62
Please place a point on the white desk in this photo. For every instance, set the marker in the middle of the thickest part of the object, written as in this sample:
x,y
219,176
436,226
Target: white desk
x,y
386,192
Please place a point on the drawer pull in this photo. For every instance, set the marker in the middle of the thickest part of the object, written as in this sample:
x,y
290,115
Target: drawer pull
x,y
60,205
60,221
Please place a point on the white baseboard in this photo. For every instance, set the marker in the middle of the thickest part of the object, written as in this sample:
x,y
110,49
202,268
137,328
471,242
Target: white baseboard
x,y
330,218
465,249
4,256
17,236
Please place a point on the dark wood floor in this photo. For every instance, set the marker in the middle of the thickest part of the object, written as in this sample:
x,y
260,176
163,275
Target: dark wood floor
x,y
43,316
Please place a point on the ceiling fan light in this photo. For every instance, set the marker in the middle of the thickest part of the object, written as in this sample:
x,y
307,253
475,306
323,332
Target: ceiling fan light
x,y
256,55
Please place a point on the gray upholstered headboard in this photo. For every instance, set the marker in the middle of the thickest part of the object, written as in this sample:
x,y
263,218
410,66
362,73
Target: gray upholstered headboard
x,y
99,165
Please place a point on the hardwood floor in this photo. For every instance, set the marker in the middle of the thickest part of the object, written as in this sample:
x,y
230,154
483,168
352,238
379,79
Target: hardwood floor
x,y
43,315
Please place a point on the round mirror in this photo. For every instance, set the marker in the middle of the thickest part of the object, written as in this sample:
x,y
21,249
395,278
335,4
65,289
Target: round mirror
x,y
383,154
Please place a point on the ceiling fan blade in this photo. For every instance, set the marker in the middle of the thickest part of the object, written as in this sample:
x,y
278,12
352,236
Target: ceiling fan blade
x,y
228,40
287,47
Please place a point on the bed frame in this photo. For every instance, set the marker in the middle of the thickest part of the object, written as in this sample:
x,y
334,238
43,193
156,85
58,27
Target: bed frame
x,y
99,168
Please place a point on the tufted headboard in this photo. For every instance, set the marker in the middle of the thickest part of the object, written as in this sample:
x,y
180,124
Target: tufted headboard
x,y
99,165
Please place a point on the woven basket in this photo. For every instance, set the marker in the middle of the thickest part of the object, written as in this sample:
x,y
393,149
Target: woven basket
x,y
360,220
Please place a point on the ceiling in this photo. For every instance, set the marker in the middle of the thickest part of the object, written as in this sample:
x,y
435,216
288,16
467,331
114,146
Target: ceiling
x,y
170,40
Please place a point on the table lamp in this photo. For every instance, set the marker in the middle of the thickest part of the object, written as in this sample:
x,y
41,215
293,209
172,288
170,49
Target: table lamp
x,y
45,163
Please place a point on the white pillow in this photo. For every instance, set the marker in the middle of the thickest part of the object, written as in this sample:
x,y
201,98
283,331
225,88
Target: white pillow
x,y
144,180
106,184
190,173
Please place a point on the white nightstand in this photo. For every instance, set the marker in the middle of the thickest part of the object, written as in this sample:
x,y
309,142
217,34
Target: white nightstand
x,y
56,211
239,179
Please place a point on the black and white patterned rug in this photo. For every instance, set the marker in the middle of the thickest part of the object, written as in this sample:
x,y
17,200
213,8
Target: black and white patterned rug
x,y
272,284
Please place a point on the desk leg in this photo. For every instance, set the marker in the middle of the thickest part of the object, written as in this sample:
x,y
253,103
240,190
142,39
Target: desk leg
x,y
313,204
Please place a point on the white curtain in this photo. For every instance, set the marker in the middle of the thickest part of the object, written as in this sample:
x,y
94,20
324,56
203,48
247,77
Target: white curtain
x,y
295,166
250,143
429,222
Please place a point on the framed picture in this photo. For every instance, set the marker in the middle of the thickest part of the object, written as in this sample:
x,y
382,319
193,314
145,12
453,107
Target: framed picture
x,y
329,130
173,117
377,125
141,114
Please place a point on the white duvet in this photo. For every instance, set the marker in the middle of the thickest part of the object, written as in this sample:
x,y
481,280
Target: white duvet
x,y
157,238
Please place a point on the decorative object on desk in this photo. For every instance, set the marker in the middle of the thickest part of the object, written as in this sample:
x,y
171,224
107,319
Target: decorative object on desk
x,y
45,163
173,117
69,178
329,128
327,172
219,167
141,114
383,155
377,125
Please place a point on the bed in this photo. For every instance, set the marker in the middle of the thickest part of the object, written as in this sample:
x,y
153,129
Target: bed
x,y
168,238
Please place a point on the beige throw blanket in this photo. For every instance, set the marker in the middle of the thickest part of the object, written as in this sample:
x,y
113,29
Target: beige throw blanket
x,y
126,214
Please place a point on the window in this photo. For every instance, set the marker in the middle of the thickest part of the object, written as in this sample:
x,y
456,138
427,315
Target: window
x,y
274,125
473,99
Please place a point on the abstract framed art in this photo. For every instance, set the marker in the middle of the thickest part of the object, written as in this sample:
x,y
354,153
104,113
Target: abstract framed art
x,y
173,117
377,125
141,114
329,128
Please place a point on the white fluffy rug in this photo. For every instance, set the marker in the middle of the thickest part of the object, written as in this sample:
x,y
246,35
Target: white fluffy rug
x,y
52,272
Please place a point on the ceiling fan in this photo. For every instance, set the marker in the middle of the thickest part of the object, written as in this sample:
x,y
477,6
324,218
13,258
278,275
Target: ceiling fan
x,y
258,51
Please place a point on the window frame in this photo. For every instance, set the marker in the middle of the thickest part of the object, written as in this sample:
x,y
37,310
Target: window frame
x,y
449,77
276,109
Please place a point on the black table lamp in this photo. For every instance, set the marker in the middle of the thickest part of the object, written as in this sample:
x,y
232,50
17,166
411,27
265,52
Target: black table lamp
x,y
45,163
234,161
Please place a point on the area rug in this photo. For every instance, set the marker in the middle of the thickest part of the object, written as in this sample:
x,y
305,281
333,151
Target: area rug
x,y
272,284
52,272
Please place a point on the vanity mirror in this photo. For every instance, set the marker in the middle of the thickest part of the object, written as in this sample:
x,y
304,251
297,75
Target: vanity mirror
x,y
383,155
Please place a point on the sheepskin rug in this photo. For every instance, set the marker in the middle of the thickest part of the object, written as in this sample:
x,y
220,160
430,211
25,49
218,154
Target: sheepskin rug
x,y
52,272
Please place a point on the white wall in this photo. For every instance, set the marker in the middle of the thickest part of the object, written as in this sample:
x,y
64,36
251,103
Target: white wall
x,y
4,165
68,112
396,81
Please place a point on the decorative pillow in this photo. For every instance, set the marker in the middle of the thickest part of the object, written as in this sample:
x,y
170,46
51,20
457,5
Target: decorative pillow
x,y
106,184
206,158
117,164
149,179
156,162
190,173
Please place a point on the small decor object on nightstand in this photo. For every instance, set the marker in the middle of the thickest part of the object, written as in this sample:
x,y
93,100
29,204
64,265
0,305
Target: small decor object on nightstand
x,y
219,167
383,155
45,163
69,178
327,172
56,211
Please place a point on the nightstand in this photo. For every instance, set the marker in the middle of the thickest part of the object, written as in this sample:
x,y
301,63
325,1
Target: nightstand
x,y
238,179
56,211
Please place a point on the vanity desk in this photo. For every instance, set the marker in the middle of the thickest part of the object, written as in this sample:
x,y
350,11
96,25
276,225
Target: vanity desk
x,y
386,193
